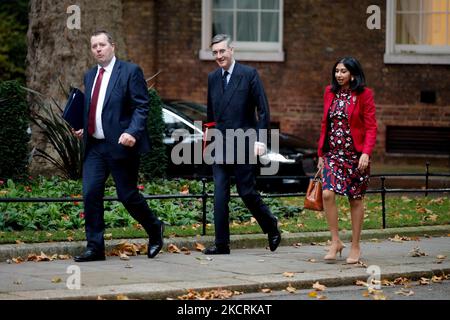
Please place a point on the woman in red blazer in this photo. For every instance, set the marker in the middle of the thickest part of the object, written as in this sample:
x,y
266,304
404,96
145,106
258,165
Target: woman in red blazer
x,y
347,138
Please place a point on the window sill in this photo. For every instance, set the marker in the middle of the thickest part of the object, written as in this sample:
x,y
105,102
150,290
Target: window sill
x,y
398,58
268,56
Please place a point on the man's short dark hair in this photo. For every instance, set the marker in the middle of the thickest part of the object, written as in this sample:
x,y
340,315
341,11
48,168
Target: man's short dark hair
x,y
106,33
221,37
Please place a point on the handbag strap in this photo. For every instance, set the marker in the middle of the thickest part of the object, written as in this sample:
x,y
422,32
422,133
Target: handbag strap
x,y
317,173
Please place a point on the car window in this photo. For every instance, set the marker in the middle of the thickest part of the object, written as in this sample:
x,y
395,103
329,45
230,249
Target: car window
x,y
174,122
192,111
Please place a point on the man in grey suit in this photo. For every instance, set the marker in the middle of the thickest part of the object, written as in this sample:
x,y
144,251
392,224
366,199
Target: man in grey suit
x,y
115,133
235,96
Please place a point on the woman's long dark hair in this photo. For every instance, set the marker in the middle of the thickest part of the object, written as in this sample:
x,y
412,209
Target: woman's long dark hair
x,y
354,67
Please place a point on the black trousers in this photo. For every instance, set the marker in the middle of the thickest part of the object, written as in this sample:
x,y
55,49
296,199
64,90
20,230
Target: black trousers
x,y
98,164
245,183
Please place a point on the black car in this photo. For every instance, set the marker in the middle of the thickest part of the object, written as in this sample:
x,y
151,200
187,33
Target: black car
x,y
296,156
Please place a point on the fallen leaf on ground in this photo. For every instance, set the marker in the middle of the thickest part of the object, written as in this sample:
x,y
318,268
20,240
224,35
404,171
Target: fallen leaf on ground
x,y
319,286
361,283
122,297
123,256
199,247
398,238
387,283
291,289
424,281
441,257
171,248
416,252
19,242
288,274
401,281
56,280
405,292
312,294
38,258
297,245
436,279
266,290
185,250
208,295
130,249
312,260
64,257
17,260
380,296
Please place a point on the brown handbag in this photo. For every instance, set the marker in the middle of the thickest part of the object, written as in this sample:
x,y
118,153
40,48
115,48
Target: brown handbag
x,y
313,198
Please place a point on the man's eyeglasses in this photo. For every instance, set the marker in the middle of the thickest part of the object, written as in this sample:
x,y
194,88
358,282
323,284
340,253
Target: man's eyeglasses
x,y
221,51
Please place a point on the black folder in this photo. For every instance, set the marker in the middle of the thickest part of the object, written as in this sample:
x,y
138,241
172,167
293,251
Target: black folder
x,y
73,112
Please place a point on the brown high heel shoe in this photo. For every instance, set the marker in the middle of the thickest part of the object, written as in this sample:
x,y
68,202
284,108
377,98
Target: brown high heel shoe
x,y
332,253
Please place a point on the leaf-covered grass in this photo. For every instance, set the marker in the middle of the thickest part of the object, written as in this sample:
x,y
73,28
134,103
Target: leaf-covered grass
x,y
402,211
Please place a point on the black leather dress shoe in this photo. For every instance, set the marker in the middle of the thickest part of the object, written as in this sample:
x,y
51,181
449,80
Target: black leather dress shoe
x,y
217,249
155,242
274,240
90,255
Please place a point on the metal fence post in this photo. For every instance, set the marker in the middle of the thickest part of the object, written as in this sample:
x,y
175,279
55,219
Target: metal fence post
x,y
383,201
426,178
204,199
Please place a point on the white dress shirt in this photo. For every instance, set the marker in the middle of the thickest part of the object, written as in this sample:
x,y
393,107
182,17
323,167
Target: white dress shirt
x,y
230,71
98,134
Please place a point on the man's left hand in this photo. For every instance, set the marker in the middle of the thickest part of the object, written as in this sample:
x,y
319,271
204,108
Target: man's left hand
x,y
260,149
127,140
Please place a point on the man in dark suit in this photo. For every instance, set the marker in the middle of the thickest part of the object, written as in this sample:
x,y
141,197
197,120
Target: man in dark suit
x,y
114,134
235,96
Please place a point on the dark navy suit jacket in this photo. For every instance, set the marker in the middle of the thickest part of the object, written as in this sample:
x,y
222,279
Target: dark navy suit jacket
x,y
125,108
243,105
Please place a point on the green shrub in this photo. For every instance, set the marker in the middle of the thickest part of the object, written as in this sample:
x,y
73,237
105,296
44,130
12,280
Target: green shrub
x,y
13,40
154,163
68,157
14,118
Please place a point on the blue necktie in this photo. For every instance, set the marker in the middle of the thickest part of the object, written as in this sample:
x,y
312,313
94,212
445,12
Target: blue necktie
x,y
224,80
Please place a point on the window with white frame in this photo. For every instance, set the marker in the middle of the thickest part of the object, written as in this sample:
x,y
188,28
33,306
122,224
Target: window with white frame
x,y
256,27
418,31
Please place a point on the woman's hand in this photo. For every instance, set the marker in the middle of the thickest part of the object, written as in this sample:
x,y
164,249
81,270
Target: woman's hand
x,y
320,163
363,162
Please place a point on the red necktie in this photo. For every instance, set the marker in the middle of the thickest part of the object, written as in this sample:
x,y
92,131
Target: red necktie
x,y
94,100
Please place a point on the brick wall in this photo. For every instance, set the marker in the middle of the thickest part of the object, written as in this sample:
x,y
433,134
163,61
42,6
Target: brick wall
x,y
166,36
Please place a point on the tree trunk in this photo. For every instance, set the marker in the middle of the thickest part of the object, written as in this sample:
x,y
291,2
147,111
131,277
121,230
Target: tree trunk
x,y
59,56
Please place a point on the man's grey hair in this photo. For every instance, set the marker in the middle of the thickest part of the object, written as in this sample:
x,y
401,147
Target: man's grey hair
x,y
221,37
106,33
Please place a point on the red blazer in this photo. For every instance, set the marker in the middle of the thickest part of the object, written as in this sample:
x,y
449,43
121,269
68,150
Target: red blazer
x,y
363,124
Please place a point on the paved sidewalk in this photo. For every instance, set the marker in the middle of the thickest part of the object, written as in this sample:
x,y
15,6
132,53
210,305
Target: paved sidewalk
x,y
248,270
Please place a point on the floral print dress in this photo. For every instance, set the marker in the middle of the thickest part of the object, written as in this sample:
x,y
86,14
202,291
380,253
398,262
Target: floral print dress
x,y
340,171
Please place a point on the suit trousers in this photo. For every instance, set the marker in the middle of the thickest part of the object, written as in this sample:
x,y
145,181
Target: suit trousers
x,y
98,164
246,186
